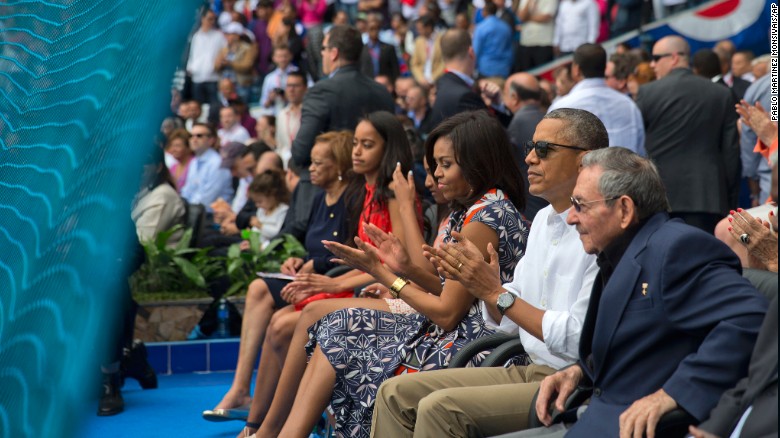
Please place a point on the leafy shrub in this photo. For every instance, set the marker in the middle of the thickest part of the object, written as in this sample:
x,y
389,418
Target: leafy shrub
x,y
242,266
175,269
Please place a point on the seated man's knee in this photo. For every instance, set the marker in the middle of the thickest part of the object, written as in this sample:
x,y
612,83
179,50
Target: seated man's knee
x,y
432,403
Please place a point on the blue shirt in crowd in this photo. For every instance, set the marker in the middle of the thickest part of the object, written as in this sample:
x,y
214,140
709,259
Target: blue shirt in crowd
x,y
207,180
493,47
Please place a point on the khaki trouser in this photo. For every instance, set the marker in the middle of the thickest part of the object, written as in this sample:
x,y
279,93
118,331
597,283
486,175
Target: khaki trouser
x,y
464,402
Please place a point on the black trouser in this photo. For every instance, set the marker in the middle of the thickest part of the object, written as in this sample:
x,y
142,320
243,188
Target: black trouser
x,y
532,56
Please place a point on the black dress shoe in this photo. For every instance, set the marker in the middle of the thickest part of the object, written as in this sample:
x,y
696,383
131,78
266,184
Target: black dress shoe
x,y
111,402
134,364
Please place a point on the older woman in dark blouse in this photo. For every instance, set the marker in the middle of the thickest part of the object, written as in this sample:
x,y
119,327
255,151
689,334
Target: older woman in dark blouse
x,y
330,170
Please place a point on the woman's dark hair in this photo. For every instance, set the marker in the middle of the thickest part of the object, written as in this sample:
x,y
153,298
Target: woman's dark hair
x,y
156,157
271,183
483,152
396,150
271,120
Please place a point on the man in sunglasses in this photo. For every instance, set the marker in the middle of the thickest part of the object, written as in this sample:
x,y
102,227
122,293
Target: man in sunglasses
x,y
691,135
545,304
207,180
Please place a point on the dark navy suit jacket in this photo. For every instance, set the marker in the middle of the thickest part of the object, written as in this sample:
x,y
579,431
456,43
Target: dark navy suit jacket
x,y
691,332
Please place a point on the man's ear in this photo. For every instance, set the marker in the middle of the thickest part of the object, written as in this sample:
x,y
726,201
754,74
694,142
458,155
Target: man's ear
x,y
628,212
575,72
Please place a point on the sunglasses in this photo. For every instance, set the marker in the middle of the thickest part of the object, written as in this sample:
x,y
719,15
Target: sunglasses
x,y
577,204
201,135
660,56
542,147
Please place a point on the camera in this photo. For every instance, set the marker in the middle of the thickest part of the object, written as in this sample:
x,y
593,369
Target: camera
x,y
279,91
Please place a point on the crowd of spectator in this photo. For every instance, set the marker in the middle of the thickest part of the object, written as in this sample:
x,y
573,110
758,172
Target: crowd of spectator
x,y
369,129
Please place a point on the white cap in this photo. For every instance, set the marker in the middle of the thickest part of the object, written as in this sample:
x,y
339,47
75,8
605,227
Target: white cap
x,y
234,27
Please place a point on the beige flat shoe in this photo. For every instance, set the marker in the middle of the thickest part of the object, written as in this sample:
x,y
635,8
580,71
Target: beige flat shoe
x,y
237,414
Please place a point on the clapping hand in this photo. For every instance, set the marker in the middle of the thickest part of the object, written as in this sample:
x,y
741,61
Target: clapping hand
x,y
363,258
756,117
755,235
463,262
389,249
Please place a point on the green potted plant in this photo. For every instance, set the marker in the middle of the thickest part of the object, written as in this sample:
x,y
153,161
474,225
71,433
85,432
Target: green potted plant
x,y
243,266
174,271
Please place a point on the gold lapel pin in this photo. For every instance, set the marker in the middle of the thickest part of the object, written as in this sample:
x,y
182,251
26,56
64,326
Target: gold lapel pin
x,y
644,289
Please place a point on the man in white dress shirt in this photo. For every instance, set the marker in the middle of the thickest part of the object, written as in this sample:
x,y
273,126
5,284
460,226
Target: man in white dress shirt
x,y
617,111
289,119
207,180
547,301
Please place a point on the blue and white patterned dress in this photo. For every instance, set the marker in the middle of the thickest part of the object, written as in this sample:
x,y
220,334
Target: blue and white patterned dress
x,y
366,347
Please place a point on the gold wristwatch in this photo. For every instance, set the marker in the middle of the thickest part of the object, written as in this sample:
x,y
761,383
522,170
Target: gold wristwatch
x,y
397,285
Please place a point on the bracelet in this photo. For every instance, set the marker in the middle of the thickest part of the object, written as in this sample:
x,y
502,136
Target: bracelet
x,y
252,425
397,285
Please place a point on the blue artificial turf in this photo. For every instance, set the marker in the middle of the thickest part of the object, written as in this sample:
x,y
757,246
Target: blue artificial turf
x,y
172,410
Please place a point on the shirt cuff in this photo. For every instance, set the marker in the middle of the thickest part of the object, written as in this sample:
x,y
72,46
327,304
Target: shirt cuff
x,y
506,325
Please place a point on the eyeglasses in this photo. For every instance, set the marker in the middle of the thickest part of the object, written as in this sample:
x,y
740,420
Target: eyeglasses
x,y
542,147
660,56
324,48
201,135
577,204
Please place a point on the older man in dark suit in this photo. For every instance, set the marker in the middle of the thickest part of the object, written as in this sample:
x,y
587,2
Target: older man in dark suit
x,y
671,322
334,103
691,134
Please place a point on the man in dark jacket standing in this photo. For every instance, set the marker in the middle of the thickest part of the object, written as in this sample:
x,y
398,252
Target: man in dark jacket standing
x,y
691,134
336,102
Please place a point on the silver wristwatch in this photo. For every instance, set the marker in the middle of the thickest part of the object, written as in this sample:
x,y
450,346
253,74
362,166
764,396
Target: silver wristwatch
x,y
504,302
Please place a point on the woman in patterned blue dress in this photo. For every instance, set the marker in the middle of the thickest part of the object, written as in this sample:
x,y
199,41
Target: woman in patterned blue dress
x,y
360,348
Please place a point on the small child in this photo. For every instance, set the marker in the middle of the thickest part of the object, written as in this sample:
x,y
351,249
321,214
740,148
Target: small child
x,y
268,191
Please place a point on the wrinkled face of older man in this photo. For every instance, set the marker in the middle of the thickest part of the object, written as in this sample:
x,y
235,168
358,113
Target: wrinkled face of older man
x,y
598,221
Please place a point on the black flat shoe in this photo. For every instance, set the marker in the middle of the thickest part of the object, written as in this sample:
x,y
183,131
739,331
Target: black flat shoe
x,y
111,402
135,364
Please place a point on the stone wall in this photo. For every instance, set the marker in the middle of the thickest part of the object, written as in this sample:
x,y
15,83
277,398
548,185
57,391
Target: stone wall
x,y
172,320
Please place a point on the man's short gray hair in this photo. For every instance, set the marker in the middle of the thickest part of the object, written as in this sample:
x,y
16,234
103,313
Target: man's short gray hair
x,y
626,173
580,128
